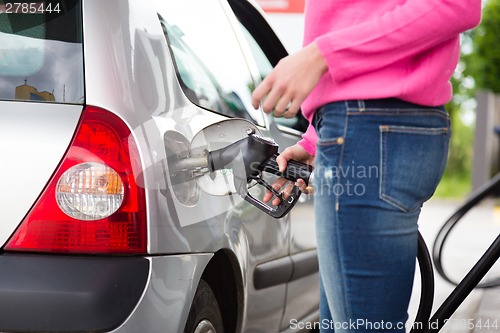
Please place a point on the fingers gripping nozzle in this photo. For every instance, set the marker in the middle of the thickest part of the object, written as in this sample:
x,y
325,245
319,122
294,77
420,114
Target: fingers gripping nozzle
x,y
293,172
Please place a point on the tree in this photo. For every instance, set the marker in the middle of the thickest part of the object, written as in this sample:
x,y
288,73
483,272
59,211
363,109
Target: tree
x,y
479,68
483,63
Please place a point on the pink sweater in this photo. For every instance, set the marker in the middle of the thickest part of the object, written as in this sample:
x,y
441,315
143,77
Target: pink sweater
x,y
407,49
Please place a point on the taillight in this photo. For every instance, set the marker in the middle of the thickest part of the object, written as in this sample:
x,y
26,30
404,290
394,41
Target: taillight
x,y
92,204
89,191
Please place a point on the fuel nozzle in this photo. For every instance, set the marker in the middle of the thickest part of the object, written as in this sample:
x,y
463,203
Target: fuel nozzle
x,y
252,151
251,156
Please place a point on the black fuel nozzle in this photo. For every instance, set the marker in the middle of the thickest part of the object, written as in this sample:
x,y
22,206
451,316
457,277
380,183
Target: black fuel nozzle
x,y
251,156
252,151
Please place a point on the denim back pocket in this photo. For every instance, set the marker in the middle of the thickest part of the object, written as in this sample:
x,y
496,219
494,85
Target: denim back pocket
x,y
412,162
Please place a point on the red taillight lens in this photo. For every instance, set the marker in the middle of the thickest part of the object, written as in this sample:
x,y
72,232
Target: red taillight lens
x,y
92,204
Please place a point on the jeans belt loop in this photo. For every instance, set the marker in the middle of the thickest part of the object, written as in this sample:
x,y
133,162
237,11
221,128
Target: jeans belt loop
x,y
361,105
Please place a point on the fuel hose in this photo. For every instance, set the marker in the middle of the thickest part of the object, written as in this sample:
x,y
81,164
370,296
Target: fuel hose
x,y
489,188
472,279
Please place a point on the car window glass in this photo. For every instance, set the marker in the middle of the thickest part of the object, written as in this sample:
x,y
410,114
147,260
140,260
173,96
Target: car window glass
x,y
298,122
41,52
263,64
209,62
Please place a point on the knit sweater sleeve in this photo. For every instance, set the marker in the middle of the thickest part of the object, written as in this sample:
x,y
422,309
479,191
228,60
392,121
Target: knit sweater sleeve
x,y
408,30
309,139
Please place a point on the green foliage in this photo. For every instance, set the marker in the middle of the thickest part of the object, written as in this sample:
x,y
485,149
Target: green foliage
x,y
484,62
454,186
456,182
478,69
461,152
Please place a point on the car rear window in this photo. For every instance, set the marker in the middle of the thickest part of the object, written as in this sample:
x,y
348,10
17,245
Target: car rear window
x,y
41,53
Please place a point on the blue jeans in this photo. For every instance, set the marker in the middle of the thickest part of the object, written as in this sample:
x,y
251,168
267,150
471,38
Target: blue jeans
x,y
377,162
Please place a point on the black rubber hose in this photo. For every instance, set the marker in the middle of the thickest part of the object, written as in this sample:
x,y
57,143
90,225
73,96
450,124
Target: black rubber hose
x,y
465,287
427,287
489,188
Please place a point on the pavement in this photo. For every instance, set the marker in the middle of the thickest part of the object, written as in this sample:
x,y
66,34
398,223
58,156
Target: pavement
x,y
480,312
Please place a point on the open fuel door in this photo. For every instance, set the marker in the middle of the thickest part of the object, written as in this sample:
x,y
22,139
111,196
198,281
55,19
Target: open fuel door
x,y
230,156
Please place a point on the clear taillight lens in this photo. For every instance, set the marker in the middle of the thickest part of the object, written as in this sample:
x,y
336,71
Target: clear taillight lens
x,y
89,191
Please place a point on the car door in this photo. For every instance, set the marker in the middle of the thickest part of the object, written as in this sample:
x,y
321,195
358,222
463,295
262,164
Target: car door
x,y
303,287
214,75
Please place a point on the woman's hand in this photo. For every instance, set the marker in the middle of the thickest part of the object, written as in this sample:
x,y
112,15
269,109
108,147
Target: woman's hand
x,y
289,83
297,153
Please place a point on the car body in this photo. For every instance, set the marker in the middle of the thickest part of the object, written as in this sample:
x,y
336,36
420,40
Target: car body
x,y
127,85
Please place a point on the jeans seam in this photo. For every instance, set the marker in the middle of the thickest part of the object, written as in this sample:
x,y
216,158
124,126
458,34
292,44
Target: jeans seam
x,y
381,165
414,130
341,157
341,255
331,142
347,307
399,112
393,202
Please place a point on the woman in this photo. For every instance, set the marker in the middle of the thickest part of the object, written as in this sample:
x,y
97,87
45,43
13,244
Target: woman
x,y
372,80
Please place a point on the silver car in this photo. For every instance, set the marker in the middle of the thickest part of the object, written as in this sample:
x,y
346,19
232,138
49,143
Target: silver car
x,y
106,225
